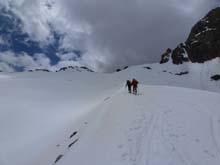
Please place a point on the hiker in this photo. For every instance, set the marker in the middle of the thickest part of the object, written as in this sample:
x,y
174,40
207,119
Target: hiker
x,y
134,84
128,84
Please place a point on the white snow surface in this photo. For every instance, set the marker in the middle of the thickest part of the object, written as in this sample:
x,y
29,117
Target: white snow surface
x,y
173,120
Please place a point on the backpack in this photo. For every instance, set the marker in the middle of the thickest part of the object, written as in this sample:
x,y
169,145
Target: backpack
x,y
135,82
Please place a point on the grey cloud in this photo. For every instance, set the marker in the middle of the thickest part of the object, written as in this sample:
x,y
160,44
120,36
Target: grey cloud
x,y
9,60
115,33
135,32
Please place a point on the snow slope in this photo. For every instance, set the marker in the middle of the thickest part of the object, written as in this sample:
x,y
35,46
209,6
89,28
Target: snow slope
x,y
148,129
40,111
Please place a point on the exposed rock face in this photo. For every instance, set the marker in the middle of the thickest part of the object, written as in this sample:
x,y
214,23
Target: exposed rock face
x,y
119,70
216,77
166,56
70,68
38,70
203,43
179,55
43,70
182,73
148,68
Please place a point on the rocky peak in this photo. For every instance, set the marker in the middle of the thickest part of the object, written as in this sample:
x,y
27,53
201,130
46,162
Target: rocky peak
x,y
203,43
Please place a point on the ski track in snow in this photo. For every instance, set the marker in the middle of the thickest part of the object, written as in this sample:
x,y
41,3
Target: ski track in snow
x,y
143,132
214,135
148,134
153,133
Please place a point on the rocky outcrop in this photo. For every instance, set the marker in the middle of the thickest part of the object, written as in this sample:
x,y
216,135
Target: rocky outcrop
x,y
69,68
182,73
179,55
166,56
148,68
42,70
203,43
119,70
39,70
75,68
58,158
215,77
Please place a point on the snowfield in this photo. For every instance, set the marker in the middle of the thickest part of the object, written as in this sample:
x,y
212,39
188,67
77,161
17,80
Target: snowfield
x,y
88,118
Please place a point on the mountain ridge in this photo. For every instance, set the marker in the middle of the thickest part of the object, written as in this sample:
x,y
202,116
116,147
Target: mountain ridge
x,y
202,44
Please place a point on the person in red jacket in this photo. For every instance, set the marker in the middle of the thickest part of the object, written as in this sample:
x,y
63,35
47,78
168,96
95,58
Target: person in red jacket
x,y
134,84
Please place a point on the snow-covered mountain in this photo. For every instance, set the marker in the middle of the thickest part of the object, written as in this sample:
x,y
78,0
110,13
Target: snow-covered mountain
x,y
69,68
77,116
86,118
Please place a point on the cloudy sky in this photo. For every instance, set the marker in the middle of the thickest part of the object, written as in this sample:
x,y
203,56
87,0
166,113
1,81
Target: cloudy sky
x,y
109,33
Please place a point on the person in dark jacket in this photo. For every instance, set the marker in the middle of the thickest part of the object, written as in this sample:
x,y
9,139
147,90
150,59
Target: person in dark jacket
x,y
134,84
128,84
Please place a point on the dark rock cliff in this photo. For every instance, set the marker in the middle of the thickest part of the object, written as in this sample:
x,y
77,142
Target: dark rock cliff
x,y
203,42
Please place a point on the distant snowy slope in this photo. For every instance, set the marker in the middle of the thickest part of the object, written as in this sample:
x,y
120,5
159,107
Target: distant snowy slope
x,y
189,75
77,117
